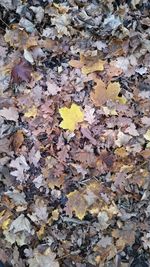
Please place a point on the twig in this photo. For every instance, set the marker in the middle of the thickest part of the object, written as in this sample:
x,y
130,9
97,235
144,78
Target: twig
x,y
4,23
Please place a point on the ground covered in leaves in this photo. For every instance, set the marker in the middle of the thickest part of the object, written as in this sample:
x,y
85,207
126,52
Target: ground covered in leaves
x,y
74,133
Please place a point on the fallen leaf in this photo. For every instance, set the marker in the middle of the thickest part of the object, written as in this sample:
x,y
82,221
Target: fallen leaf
x,y
102,93
113,90
113,71
28,56
121,152
97,66
76,63
147,135
10,114
122,139
21,167
71,117
77,203
52,87
21,223
46,259
98,96
132,130
17,140
21,72
32,112
89,114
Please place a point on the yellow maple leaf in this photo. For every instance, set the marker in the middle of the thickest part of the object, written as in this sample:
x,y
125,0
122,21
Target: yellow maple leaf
x,y
71,117
32,112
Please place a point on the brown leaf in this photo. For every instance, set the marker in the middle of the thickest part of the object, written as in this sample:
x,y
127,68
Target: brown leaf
x,y
113,71
17,140
77,203
99,95
86,158
21,72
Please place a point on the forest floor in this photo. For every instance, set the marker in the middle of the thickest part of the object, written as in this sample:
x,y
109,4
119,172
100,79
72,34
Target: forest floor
x,y
75,133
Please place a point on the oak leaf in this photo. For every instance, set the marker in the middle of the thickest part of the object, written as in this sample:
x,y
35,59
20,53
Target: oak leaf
x,y
71,117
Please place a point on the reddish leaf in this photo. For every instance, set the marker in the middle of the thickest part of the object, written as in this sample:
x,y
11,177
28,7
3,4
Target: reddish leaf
x,y
21,72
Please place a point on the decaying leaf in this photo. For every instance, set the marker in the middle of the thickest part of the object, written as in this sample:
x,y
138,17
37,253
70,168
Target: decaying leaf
x,y
10,114
89,114
21,72
77,203
71,117
21,167
122,139
46,259
102,93
21,223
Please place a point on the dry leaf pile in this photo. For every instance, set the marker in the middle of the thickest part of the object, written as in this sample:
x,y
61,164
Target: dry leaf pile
x,y
74,133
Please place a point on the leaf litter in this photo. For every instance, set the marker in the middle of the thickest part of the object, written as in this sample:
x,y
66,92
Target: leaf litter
x,y
74,133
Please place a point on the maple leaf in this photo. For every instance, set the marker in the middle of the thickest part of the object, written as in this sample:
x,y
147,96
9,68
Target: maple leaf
x,y
102,93
21,72
76,202
88,64
71,117
52,87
